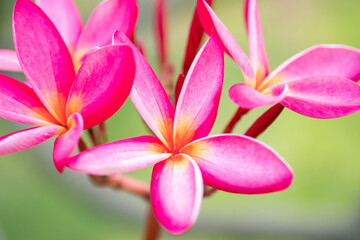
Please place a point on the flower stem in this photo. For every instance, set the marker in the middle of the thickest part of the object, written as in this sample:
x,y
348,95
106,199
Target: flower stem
x,y
102,133
237,116
119,181
264,121
208,191
92,136
82,145
123,182
153,230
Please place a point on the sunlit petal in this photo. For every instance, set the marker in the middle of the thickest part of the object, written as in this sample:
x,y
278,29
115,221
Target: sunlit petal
x,y
19,103
239,164
200,95
256,42
323,97
120,156
65,15
9,61
28,138
44,57
211,23
102,84
109,15
176,193
149,97
249,98
66,143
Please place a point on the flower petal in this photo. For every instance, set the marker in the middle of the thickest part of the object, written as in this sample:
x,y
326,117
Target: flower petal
x,y
198,102
66,143
43,56
19,103
149,97
239,164
256,41
65,15
249,98
323,97
210,21
108,16
27,138
102,84
120,156
9,61
176,193
321,60
194,40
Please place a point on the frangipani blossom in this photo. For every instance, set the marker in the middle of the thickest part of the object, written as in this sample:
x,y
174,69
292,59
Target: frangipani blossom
x,y
318,82
108,16
184,156
58,101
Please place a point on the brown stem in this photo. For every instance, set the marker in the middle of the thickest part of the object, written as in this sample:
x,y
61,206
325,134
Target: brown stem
x,y
93,137
264,121
123,182
208,191
120,182
82,145
102,133
237,116
153,230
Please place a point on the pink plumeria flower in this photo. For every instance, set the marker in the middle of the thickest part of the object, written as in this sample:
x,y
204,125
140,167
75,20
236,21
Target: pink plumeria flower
x,y
318,82
108,16
58,101
184,157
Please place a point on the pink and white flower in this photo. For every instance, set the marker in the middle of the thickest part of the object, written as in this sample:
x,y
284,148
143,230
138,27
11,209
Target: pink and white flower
x,y
108,16
318,82
185,157
55,99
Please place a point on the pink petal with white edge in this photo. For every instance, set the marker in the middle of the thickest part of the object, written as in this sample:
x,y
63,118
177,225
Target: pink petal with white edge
x,y
9,61
120,156
28,138
19,103
323,97
194,40
321,60
239,164
149,97
43,56
256,41
200,95
109,15
102,84
65,15
249,98
176,193
66,143
210,21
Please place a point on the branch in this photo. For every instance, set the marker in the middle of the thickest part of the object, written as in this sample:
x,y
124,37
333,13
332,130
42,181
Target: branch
x,y
235,119
123,182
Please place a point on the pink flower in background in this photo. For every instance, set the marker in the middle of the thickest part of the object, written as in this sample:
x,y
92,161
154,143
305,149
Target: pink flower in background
x,y
108,16
184,157
318,82
58,101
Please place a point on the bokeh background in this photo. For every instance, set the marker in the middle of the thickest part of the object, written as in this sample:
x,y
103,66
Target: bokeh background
x,y
323,202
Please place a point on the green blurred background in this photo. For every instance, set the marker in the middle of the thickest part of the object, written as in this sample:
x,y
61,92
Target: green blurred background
x,y
323,202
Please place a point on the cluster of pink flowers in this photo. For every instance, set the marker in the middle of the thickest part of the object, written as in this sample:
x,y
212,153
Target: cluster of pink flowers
x,y
78,77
